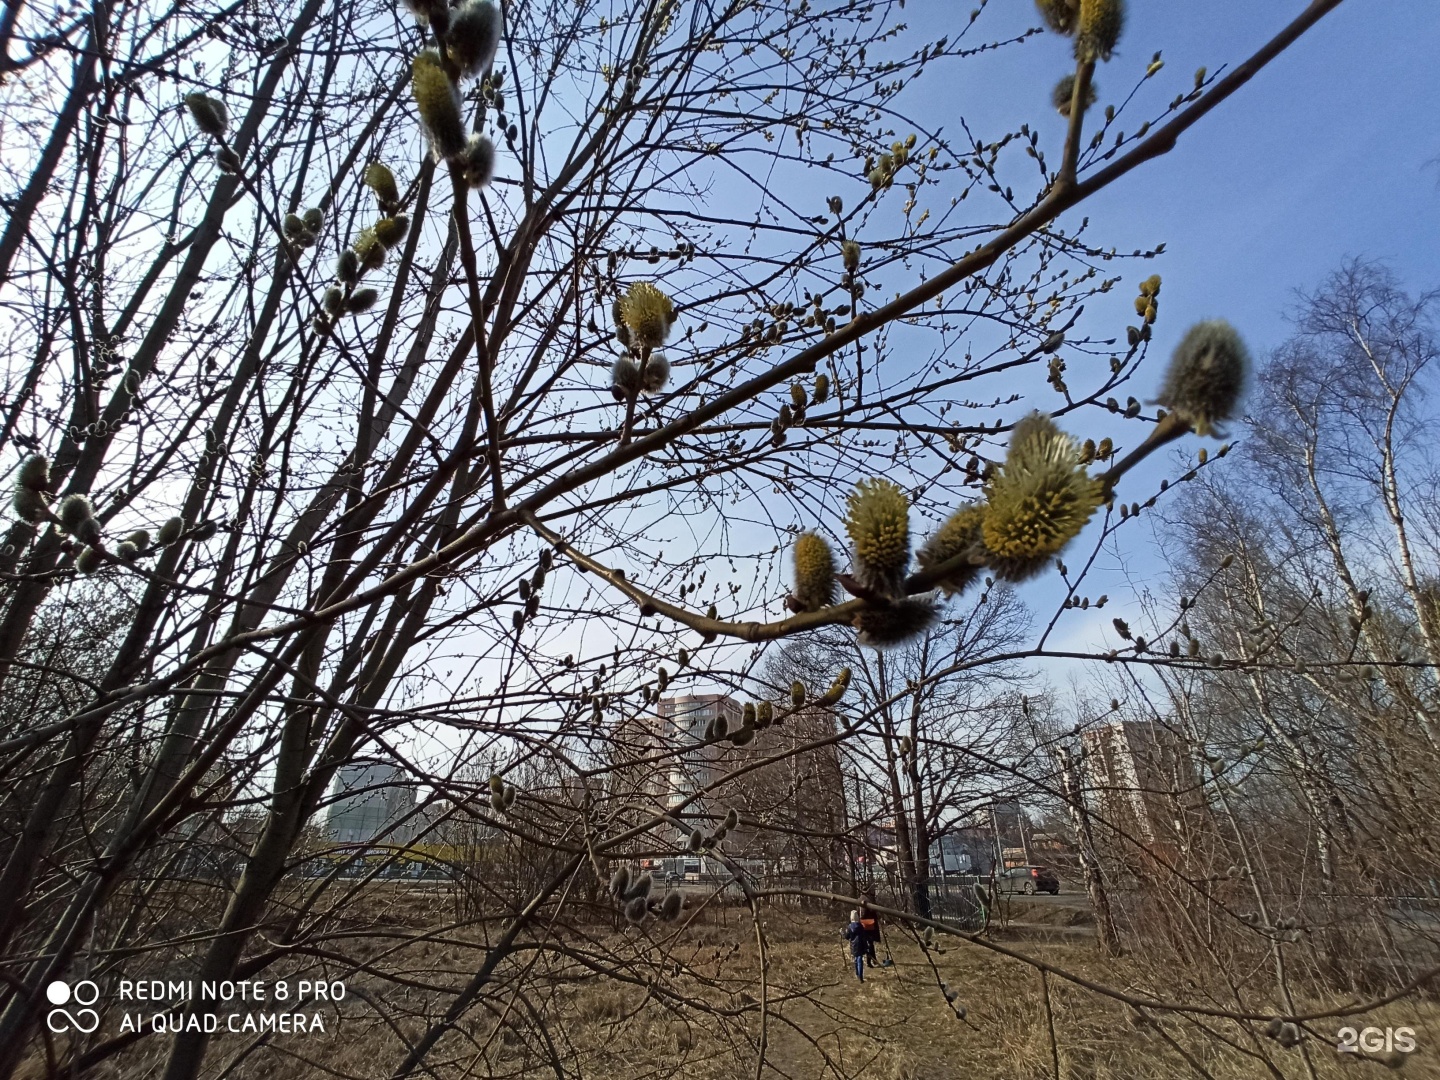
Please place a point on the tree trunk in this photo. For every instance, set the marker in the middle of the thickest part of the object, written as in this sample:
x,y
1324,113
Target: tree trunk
x,y
1105,930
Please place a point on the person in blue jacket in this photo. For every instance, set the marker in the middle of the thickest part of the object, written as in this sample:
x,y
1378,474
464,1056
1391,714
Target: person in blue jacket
x,y
859,943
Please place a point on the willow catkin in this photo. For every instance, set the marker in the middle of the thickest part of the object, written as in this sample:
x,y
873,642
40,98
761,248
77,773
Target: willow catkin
x,y
885,627
77,517
814,573
1037,502
672,906
1100,25
837,690
624,378
1059,15
88,561
647,313
655,375
379,179
391,230
477,162
209,114
473,36
958,537
878,523
361,300
1206,376
438,102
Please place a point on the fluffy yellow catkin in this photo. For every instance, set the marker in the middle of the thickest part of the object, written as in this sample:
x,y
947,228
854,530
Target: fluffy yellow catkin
x,y
647,313
380,180
1037,502
959,535
438,102
1101,22
814,573
878,523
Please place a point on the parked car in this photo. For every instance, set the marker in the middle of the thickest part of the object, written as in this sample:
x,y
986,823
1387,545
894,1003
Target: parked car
x,y
1028,880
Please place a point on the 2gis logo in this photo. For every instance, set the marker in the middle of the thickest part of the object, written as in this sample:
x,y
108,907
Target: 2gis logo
x,y
1374,1040
84,994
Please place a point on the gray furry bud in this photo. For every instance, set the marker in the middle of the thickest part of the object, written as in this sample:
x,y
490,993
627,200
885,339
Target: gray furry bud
x,y
347,267
314,219
170,531
474,34
361,300
655,375
29,504
641,887
672,906
208,113
1063,98
636,910
732,819
334,300
1207,375
695,841
624,378
477,161
126,552
620,881
1059,15
77,517
88,561
34,472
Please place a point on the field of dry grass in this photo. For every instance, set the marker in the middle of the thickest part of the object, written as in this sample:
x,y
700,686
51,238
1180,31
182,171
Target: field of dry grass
x,y
695,1012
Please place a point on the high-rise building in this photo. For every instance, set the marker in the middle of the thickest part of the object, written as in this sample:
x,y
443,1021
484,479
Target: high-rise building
x,y
1143,779
370,799
792,810
683,721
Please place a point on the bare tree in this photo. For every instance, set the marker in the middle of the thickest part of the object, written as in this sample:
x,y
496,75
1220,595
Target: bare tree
x,y
375,364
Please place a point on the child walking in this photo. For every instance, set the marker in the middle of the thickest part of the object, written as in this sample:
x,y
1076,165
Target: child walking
x,y
870,923
859,940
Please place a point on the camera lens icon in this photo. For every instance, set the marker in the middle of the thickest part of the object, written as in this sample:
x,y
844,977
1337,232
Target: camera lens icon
x,y
60,993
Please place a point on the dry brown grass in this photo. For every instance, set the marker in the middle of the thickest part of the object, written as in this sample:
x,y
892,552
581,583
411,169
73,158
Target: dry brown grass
x,y
692,1009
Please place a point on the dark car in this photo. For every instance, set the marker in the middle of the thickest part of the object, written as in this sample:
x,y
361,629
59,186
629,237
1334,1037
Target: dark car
x,y
1028,880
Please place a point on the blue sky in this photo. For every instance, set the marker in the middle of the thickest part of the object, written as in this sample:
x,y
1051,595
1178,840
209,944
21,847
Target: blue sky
x,y
1329,153
1324,155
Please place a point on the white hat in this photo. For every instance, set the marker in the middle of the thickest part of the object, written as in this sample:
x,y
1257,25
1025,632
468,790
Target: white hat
x,y
854,914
